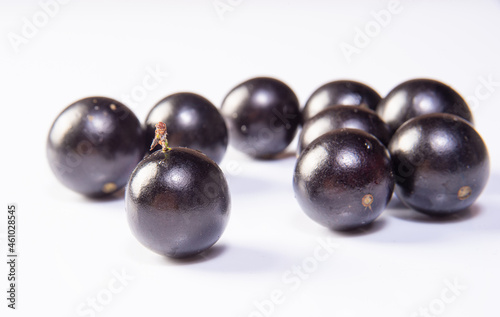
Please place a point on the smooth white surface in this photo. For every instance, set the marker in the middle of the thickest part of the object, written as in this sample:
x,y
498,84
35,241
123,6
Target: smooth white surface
x,y
71,248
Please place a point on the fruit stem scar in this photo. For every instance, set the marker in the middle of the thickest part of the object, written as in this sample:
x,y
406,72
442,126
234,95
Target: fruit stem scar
x,y
109,187
367,201
160,137
464,192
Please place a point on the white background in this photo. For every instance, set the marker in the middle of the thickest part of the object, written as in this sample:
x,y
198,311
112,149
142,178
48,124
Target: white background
x,y
71,247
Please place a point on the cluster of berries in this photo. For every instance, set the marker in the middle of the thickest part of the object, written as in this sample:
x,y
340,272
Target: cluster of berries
x,y
354,149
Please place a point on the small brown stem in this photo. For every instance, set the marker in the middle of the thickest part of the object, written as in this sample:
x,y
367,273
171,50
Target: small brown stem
x,y
160,137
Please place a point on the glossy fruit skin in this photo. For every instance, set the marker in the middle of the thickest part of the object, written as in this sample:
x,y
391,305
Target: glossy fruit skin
x,y
417,97
93,146
435,158
339,117
262,115
192,121
177,202
340,92
343,180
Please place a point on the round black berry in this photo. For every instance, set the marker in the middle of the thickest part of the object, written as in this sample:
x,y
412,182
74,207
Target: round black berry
x,y
340,92
192,122
338,117
262,115
343,180
441,164
94,145
177,202
417,97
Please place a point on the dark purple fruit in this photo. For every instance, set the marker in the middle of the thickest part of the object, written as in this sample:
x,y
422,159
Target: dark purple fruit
x,y
340,92
192,121
417,97
262,115
343,180
94,145
177,202
441,164
338,117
